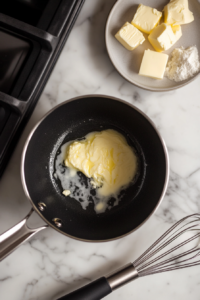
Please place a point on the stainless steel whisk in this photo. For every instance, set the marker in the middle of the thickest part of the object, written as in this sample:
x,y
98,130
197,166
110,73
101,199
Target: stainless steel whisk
x,y
177,248
188,231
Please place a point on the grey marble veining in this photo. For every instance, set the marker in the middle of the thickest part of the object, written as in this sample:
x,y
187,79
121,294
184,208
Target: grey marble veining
x,y
50,264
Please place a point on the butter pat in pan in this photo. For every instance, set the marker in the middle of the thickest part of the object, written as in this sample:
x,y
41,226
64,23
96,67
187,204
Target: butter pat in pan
x,y
153,64
129,36
66,192
146,18
164,36
177,12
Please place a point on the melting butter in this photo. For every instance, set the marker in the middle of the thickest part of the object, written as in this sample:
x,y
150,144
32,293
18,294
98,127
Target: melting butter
x,y
66,193
106,158
107,161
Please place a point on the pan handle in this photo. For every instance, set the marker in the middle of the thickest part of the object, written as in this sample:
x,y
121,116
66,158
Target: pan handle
x,y
17,235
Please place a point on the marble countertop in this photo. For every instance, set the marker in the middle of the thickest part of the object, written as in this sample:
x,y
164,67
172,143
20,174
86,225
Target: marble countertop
x,y
50,264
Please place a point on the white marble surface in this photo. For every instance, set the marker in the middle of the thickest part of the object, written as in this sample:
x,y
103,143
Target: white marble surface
x,y
50,264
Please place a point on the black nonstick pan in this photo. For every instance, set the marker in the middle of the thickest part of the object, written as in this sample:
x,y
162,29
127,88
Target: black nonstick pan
x,y
71,120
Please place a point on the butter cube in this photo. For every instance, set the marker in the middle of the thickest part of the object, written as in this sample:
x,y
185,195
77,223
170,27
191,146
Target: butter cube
x,y
177,12
146,18
153,64
164,36
129,36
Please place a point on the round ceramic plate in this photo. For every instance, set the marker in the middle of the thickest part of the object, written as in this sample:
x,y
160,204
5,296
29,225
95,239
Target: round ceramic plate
x,y
127,62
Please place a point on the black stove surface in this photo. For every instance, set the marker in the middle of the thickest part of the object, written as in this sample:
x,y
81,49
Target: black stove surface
x,y
32,35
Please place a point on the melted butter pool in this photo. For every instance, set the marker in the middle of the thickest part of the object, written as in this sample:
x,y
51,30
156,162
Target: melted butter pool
x,y
108,163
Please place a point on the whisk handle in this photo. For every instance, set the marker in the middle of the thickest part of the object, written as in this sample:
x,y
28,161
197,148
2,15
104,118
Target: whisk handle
x,y
95,290
103,286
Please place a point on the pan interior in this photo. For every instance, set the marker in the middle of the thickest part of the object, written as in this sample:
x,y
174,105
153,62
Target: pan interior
x,y
73,120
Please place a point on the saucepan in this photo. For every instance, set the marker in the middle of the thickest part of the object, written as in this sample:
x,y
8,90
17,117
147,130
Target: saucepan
x,y
71,120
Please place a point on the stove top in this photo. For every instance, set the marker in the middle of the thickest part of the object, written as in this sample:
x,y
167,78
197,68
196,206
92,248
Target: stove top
x,y
32,35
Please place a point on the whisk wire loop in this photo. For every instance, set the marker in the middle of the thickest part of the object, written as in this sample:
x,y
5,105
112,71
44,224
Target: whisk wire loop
x,y
150,261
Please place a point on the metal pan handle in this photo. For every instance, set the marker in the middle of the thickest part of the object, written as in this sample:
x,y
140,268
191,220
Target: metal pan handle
x,y
17,235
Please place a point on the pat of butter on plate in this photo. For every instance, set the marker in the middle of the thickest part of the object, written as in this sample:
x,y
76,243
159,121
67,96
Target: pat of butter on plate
x,y
146,18
177,12
164,36
129,36
153,64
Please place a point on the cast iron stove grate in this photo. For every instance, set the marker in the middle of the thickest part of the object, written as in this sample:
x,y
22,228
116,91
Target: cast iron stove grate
x,y
32,35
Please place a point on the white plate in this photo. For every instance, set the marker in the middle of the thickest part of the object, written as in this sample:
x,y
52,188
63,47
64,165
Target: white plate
x,y
127,62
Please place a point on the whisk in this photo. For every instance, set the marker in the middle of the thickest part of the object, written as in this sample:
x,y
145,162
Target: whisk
x,y
177,248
